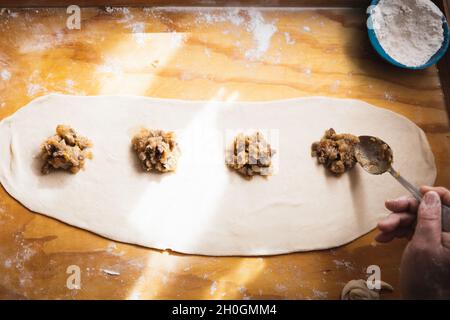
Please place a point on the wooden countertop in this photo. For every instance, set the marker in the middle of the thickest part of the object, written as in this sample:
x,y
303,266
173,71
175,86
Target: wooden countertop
x,y
197,54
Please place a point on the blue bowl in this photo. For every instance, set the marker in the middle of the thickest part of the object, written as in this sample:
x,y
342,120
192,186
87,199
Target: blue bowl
x,y
378,48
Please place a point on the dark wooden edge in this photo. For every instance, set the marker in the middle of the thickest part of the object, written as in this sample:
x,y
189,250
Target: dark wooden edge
x,y
444,64
203,3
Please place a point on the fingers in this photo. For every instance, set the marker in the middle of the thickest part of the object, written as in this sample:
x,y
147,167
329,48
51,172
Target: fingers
x,y
441,191
403,204
399,224
428,229
446,240
396,220
385,237
396,225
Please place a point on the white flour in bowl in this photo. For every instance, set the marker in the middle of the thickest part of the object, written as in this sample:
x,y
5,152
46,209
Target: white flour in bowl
x,y
410,31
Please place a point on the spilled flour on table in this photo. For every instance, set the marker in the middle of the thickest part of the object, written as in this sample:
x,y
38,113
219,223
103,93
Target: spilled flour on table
x,y
138,30
262,33
70,83
228,15
213,288
307,71
334,87
126,14
41,37
389,97
320,294
5,75
288,39
207,52
280,288
33,89
242,290
8,263
25,252
188,268
260,30
8,12
343,264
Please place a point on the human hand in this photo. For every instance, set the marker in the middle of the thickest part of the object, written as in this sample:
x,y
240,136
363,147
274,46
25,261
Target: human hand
x,y
425,266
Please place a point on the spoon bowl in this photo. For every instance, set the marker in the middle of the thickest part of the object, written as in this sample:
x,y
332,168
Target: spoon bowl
x,y
373,154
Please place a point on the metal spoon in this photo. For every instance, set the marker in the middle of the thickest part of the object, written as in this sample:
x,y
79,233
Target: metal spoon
x,y
375,156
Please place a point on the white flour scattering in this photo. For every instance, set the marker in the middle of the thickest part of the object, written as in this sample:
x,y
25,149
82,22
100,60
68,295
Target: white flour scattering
x,y
33,89
410,31
288,39
5,75
254,23
231,15
138,30
262,32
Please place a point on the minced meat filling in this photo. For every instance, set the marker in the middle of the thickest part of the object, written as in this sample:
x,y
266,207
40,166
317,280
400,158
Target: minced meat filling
x,y
65,150
336,151
250,155
157,150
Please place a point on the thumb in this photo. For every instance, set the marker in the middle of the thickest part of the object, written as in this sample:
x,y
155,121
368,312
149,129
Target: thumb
x,y
429,227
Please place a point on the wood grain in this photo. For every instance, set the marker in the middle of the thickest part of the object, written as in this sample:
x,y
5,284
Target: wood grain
x,y
196,3
197,55
444,63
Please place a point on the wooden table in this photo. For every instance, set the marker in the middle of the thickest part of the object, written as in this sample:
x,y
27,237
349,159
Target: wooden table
x,y
197,54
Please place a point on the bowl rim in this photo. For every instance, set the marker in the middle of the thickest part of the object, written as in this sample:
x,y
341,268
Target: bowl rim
x,y
379,49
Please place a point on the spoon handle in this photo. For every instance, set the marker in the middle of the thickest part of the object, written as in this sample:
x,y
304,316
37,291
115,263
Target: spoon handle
x,y
418,196
405,183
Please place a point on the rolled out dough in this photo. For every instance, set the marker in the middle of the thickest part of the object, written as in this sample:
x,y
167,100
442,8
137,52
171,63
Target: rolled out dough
x,y
204,208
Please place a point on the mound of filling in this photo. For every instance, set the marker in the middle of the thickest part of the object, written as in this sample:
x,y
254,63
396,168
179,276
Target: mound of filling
x,y
157,150
65,150
250,155
336,151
